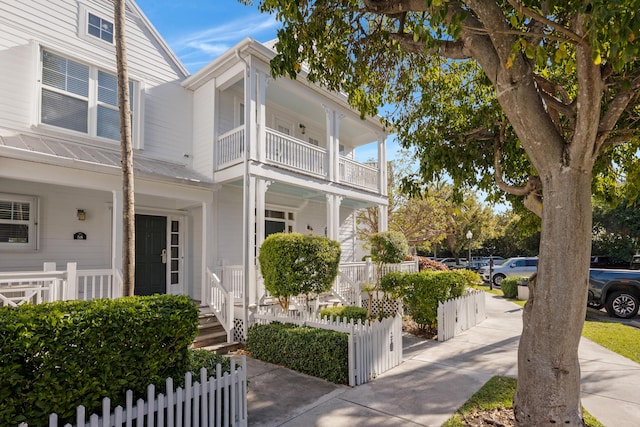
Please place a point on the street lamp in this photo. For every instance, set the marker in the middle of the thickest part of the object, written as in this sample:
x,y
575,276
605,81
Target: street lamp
x,y
469,237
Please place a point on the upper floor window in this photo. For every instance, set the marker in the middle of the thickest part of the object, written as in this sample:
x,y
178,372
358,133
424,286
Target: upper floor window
x,y
81,98
100,28
17,222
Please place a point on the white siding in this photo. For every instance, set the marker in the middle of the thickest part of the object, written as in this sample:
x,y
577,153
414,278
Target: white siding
x,y
226,110
54,25
228,225
57,223
203,128
347,234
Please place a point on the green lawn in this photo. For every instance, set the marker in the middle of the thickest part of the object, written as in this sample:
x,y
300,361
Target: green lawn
x,y
622,339
497,393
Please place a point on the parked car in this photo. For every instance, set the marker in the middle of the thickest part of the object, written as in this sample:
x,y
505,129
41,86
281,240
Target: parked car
x,y
635,263
618,291
453,263
477,265
519,266
606,261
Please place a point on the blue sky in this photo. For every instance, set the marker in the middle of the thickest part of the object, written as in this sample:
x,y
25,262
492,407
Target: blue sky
x,y
200,30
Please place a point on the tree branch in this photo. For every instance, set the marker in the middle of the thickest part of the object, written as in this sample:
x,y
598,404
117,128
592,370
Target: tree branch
x,y
616,107
393,7
445,48
543,19
530,191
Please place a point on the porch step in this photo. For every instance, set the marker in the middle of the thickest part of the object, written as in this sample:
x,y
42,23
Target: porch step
x,y
223,348
210,331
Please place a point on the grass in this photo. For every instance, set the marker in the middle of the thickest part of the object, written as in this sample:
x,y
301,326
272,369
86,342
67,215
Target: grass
x,y
622,339
497,393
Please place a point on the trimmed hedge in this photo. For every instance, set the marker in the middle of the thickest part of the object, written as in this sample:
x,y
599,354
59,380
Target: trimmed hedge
x,y
421,292
293,264
317,352
54,357
509,286
350,312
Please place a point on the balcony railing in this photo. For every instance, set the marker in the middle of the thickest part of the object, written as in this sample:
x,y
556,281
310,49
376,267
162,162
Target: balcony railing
x,y
294,153
358,174
230,148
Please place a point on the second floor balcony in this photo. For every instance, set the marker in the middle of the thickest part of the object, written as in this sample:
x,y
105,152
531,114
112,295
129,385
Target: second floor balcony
x,y
294,154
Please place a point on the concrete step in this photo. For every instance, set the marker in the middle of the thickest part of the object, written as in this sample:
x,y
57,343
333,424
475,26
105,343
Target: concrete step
x,y
223,348
210,331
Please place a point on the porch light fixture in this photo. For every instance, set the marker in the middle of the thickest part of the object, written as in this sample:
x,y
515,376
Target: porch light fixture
x,y
81,214
303,128
309,230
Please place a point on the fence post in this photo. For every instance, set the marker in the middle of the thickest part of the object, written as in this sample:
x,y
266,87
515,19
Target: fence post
x,y
55,293
72,282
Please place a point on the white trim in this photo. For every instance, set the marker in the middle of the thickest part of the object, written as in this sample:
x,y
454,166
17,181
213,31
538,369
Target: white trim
x,y
32,223
83,27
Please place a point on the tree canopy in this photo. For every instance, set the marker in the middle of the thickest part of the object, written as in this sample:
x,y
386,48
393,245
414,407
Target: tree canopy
x,y
539,97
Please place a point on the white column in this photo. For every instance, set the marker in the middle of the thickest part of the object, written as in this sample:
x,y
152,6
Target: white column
x,y
206,248
262,115
333,216
336,144
116,230
382,163
252,104
383,218
330,144
330,203
248,258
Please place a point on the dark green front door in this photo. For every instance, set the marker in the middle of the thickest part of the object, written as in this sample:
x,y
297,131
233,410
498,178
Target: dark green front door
x,y
151,255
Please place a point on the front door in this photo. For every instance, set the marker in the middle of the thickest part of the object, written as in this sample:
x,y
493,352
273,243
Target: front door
x,y
151,255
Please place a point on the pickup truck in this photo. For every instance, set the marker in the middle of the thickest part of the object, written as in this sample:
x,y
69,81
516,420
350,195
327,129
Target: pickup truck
x,y
618,291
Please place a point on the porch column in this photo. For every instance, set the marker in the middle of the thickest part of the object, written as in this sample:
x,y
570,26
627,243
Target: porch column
x,y
248,241
383,218
330,169
333,216
206,248
336,144
116,230
263,82
252,104
382,163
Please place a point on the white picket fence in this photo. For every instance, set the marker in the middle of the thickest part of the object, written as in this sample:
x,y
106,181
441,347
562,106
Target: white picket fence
x,y
214,401
459,314
374,347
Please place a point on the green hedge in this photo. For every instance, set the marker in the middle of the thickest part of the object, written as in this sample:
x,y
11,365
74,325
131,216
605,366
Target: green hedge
x,y
509,286
54,357
317,352
350,312
421,292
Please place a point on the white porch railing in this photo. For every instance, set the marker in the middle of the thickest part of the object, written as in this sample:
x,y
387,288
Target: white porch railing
x,y
230,148
459,314
374,347
213,401
221,301
358,174
54,285
294,153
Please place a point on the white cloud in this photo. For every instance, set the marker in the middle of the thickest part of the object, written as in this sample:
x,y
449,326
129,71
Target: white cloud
x,y
211,42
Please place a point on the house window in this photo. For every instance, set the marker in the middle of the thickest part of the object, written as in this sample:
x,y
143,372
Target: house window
x,y
100,28
81,98
18,222
277,221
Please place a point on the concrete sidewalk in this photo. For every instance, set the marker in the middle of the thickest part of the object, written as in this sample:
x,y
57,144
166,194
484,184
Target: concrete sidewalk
x,y
434,380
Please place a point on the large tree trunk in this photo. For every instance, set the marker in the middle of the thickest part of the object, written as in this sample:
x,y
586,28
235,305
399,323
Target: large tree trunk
x,y
548,369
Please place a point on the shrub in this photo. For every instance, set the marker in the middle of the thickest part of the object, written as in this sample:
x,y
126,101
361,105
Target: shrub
x,y
425,263
54,357
471,278
389,247
509,286
318,352
294,264
350,312
421,292
199,358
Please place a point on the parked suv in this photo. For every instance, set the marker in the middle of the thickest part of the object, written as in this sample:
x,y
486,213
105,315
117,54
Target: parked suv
x,y
520,266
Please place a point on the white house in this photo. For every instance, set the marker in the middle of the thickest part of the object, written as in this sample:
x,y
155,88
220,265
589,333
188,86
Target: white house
x,y
223,157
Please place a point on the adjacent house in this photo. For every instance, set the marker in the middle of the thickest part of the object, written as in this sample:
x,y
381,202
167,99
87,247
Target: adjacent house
x,y
223,158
